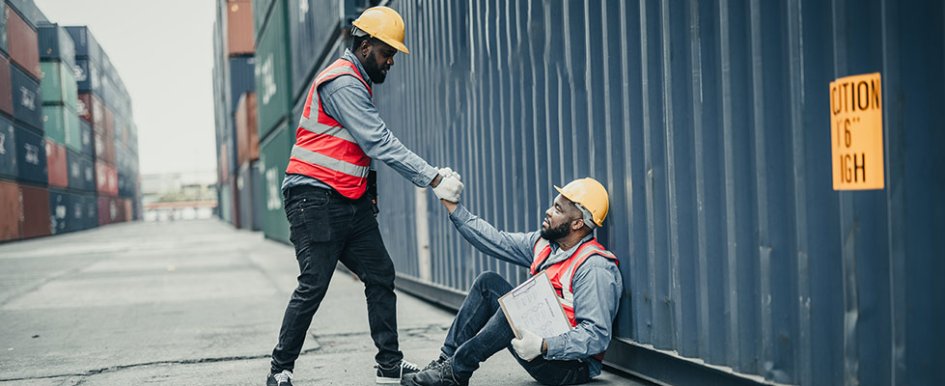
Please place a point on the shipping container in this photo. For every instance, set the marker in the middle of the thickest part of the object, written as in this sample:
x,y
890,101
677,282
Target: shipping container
x,y
272,72
58,84
23,43
242,79
81,172
106,179
239,27
244,189
31,13
60,205
56,164
104,147
226,202
55,45
314,26
30,156
6,87
35,216
86,47
710,123
87,139
27,99
90,203
107,210
8,148
90,110
247,137
3,26
61,123
10,206
261,10
273,160
88,77
259,188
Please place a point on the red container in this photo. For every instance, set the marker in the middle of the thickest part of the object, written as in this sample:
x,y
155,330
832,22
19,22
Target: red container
x,y
247,137
239,28
104,147
92,111
57,164
106,178
107,210
12,211
128,212
6,90
108,122
23,43
35,212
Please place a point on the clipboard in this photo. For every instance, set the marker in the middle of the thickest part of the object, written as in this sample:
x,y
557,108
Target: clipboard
x,y
534,306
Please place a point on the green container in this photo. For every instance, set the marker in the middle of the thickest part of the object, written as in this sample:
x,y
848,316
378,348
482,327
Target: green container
x,y
260,8
272,72
61,124
58,84
273,159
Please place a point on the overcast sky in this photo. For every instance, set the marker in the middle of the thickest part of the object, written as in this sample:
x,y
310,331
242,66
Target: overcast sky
x,y
163,51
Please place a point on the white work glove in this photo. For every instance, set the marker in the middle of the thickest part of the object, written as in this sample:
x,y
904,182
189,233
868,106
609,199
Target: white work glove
x,y
450,187
529,347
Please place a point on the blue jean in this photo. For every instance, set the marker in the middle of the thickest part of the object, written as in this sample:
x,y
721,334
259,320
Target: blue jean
x,y
481,330
326,228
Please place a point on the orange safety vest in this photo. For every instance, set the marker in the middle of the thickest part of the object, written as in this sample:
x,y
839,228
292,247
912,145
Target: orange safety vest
x,y
561,274
324,149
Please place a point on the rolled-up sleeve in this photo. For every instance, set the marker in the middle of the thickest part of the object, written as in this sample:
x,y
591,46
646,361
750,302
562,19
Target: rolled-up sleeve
x,y
513,247
346,100
597,290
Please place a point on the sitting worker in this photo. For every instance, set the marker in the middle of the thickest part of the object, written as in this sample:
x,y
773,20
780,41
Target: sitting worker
x,y
584,276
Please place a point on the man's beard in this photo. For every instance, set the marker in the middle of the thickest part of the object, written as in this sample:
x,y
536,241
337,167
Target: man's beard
x,y
377,76
552,234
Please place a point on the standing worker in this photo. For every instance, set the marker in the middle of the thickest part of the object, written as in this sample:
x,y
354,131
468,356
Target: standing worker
x,y
585,279
331,196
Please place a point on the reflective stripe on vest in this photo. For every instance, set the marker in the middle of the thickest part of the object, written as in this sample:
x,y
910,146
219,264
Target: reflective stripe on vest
x,y
561,274
324,149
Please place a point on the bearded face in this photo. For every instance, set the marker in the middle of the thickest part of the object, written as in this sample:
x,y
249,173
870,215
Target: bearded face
x,y
562,218
377,58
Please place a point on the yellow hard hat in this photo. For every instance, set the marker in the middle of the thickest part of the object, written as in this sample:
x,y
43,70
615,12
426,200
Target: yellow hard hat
x,y
385,24
589,194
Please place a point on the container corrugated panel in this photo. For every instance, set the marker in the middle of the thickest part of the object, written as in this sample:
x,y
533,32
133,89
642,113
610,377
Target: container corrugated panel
x,y
258,192
31,13
27,99
107,210
79,218
35,219
273,160
61,123
86,46
23,43
90,109
55,44
30,156
244,188
261,10
56,164
12,208
6,87
90,203
60,207
8,149
106,179
58,84
104,148
81,172
87,139
88,77
242,79
709,123
3,26
313,26
226,201
239,27
272,72
247,136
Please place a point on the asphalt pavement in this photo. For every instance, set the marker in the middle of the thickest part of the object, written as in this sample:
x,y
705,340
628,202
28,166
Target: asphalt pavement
x,y
191,303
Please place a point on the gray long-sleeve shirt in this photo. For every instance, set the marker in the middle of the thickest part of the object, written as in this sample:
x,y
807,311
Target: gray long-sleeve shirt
x,y
597,286
349,102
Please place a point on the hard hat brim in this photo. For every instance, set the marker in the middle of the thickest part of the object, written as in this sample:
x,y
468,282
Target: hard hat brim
x,y
391,42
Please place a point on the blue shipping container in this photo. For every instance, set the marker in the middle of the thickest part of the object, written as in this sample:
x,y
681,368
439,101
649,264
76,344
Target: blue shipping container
x,y
709,123
55,44
30,156
86,47
313,26
27,99
242,79
8,159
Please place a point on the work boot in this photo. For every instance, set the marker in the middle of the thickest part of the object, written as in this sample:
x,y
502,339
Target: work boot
x,y
280,379
441,375
396,372
436,363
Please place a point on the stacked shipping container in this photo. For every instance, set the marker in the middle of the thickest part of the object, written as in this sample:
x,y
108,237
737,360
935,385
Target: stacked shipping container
x,y
235,105
68,160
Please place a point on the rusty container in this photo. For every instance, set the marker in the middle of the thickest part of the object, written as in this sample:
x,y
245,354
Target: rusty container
x,y
12,209
57,164
35,219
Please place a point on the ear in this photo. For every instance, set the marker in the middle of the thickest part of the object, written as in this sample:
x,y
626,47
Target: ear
x,y
577,224
365,47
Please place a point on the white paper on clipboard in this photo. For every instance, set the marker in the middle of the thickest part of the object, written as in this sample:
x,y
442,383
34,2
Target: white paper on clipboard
x,y
534,306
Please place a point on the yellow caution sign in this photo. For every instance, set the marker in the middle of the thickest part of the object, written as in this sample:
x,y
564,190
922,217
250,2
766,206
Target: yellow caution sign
x,y
856,132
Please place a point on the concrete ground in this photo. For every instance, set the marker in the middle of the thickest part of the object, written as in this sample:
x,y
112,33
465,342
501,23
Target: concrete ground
x,y
190,303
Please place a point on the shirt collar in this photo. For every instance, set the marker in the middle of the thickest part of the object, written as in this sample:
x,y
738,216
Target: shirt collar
x,y
349,56
555,247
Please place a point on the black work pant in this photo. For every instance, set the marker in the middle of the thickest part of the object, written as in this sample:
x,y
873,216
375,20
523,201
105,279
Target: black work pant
x,y
326,228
